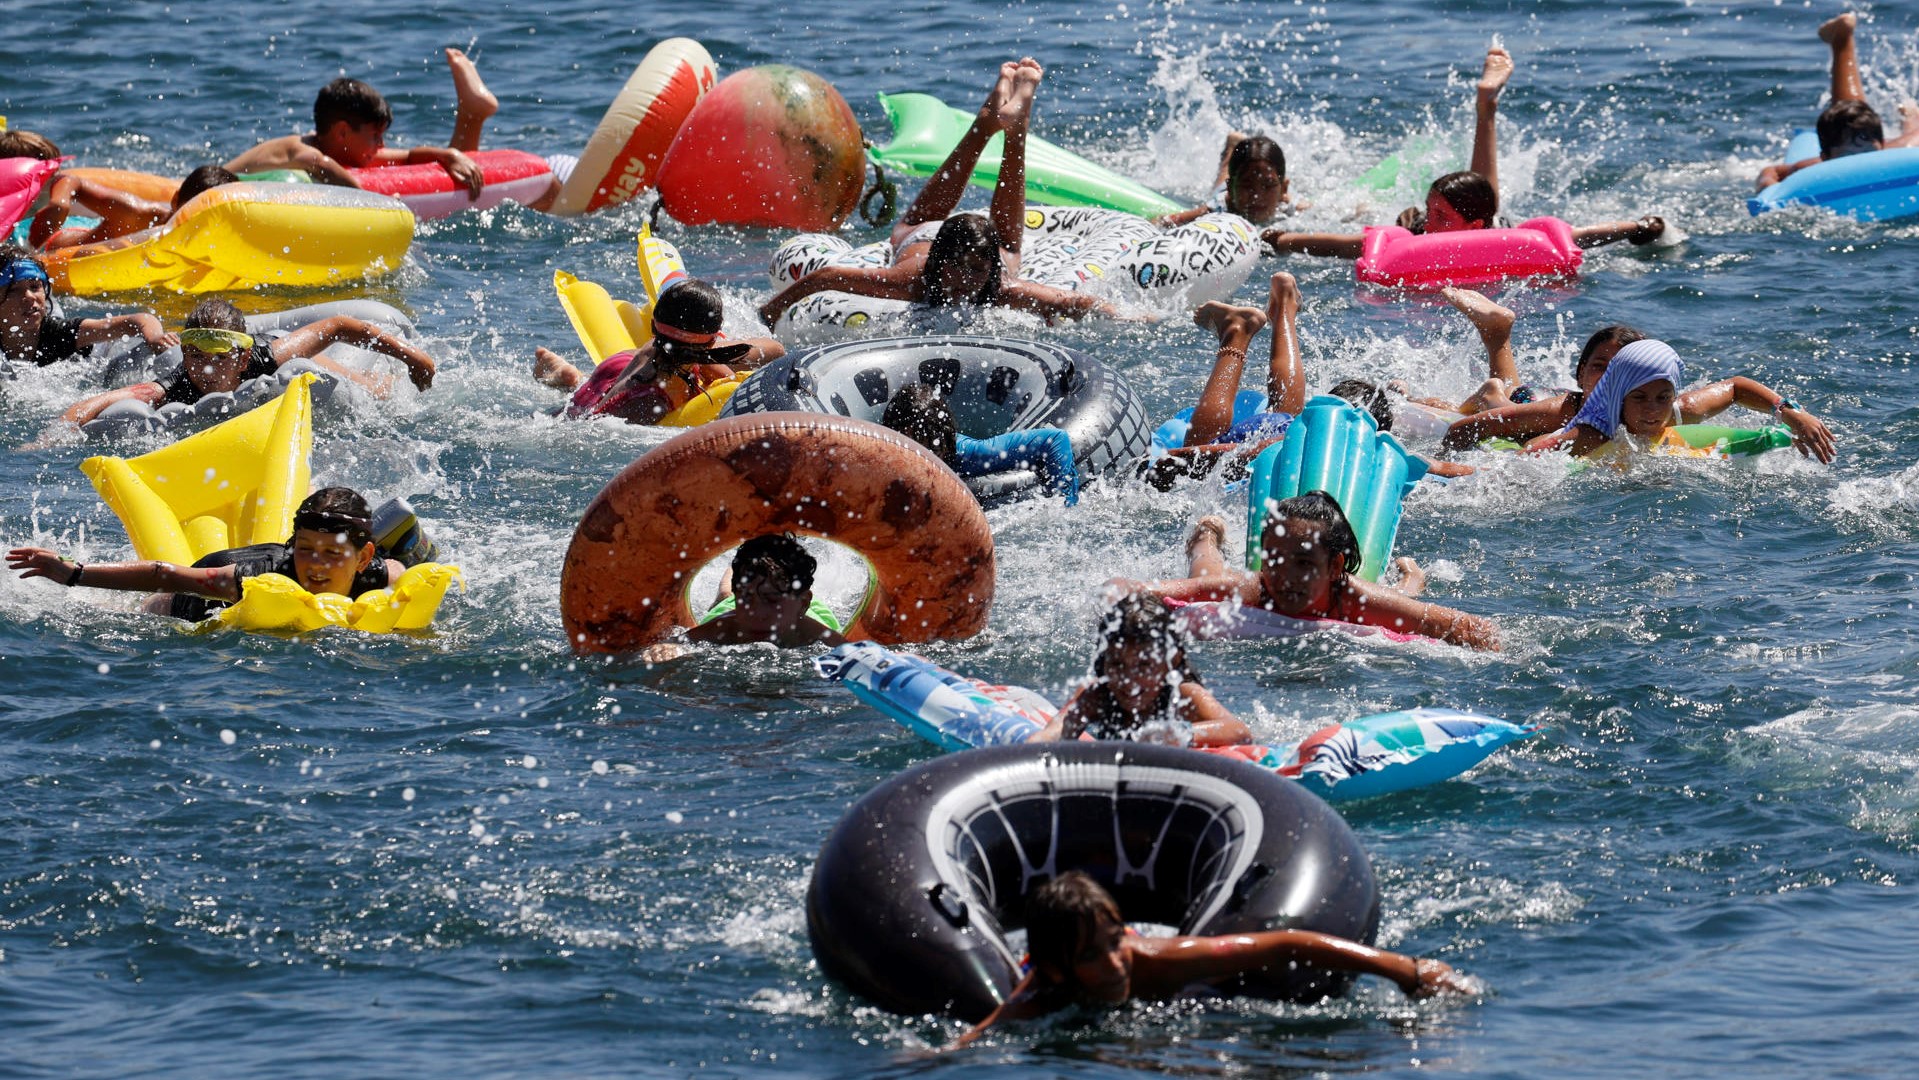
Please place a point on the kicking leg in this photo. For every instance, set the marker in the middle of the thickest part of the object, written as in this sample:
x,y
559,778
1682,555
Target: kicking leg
x,y
1495,326
1837,32
1204,555
1492,79
1009,192
1235,327
937,200
1285,373
475,104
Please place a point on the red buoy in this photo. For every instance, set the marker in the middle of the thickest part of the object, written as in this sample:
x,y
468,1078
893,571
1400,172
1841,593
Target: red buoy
x,y
772,146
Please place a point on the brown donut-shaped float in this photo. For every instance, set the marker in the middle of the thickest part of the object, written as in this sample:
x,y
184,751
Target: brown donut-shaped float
x,y
686,502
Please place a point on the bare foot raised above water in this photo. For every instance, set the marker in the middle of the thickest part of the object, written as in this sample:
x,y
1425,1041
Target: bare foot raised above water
x,y
1231,324
1479,310
1282,297
1492,77
1016,112
468,88
1838,28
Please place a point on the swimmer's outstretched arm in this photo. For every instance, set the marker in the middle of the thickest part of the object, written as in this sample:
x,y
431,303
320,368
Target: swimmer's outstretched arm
x,y
310,340
1508,422
1381,605
881,283
1051,302
1331,245
1024,1004
1213,724
1809,434
217,582
1162,966
139,324
121,214
87,409
1579,439
1641,232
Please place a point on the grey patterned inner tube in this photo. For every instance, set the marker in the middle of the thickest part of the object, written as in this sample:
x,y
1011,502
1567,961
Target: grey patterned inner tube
x,y
915,888
993,385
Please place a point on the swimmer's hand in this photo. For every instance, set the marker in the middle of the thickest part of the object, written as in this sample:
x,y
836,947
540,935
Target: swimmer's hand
x,y
1431,978
162,340
1810,436
39,562
1647,231
421,371
461,168
1412,576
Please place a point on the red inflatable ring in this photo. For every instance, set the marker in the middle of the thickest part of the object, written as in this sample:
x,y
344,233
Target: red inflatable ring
x,y
687,502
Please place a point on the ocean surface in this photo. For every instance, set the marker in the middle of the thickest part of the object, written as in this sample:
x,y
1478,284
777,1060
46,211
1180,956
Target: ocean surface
x,y
472,855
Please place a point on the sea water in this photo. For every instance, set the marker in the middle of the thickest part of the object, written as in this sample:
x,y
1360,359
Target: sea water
x,y
475,855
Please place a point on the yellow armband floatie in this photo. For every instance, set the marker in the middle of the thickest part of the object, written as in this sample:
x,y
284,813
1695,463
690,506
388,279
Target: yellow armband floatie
x,y
275,603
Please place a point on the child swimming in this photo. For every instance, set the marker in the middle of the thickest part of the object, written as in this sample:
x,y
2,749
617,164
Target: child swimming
x,y
1082,953
1251,183
331,551
1848,125
943,259
1308,555
1468,199
217,355
920,413
1543,413
350,121
768,596
1213,435
687,354
1640,393
1143,688
31,334
120,213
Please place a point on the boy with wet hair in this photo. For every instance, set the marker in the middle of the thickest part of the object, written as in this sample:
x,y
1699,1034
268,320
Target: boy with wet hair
x,y
331,551
1847,126
768,596
350,121
1082,953
27,144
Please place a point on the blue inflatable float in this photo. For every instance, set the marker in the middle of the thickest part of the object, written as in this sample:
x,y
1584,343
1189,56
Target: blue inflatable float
x,y
1336,447
1357,759
1879,186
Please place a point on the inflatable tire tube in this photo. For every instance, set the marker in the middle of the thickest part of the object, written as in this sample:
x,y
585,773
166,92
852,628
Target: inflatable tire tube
x,y
130,361
994,385
695,497
622,158
129,418
912,888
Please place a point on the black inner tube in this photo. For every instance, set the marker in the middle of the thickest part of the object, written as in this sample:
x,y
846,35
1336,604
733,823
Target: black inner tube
x,y
915,889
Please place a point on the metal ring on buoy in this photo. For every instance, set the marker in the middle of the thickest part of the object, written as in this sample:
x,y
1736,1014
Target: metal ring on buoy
x,y
890,195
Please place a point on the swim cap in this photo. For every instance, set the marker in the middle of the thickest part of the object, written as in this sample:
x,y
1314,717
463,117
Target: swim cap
x,y
1632,367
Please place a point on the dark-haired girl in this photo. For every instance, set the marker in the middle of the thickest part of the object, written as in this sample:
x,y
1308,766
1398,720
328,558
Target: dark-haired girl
x,y
941,260
1469,198
1309,553
1142,688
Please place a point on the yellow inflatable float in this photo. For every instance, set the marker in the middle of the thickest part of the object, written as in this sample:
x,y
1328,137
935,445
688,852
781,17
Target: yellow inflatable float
x,y
275,603
606,326
244,236
239,483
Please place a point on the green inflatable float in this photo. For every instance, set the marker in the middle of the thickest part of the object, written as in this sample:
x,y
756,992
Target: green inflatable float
x,y
925,130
